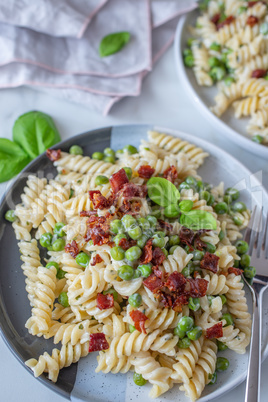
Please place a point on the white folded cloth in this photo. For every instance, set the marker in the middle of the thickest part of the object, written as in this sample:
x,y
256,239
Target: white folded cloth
x,y
58,50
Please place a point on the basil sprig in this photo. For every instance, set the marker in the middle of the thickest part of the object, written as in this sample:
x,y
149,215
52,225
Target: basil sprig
x,y
113,43
33,133
162,191
198,219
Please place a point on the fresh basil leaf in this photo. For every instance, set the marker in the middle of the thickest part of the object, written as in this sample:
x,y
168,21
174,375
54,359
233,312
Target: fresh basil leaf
x,y
35,132
197,219
12,159
113,43
162,191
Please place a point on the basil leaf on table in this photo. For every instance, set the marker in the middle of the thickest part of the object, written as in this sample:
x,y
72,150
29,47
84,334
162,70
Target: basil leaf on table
x,y
113,43
197,219
12,159
35,132
162,191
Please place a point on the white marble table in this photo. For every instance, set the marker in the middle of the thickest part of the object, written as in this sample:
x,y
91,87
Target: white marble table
x,y
162,102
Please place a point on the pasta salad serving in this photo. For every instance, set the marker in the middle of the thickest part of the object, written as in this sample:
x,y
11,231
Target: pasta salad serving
x,y
229,48
143,264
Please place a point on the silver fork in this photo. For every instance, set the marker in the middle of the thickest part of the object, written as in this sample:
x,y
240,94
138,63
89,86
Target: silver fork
x,y
257,238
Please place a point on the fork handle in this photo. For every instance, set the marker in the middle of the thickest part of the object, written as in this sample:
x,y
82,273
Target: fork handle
x,y
253,375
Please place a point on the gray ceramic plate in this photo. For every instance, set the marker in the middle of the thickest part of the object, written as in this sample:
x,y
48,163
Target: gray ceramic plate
x,y
79,382
203,97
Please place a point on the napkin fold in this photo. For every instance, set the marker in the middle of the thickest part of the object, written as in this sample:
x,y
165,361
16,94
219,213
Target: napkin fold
x,y
54,60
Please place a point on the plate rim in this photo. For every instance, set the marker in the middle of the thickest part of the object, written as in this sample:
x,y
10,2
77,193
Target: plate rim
x,y
232,134
189,137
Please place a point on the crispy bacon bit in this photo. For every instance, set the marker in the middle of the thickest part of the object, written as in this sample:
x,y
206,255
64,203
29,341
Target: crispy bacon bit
x,y
146,171
198,287
97,342
96,260
171,174
252,20
186,236
215,331
175,282
236,271
179,302
210,262
259,73
153,283
158,256
53,154
158,272
215,19
87,213
105,301
167,227
147,253
227,21
97,230
131,190
118,179
139,320
125,207
72,248
98,200
125,243
199,244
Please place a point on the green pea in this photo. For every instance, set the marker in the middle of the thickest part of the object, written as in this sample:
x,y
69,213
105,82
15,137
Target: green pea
x,y
98,155
135,232
223,299
217,73
186,205
214,62
137,274
187,52
46,239
58,245
211,200
133,253
109,152
165,252
221,208
228,81
58,229
63,299
142,240
210,298
10,215
264,28
210,248
109,159
174,240
200,185
130,149
222,364
191,181
190,41
82,259
128,171
185,323
144,224
250,272
139,380
184,186
177,331
117,253
184,343
189,61
119,153
126,272
198,255
236,263
128,221
131,328
194,303
228,318
135,300
53,264
227,199
245,261
213,378
241,247
186,272
76,150
191,266
232,192
204,195
172,249
172,211
237,221
221,345
195,333
221,235
258,138
61,274
145,269
111,291
158,241
215,46
116,226
100,180
156,211
239,206
119,237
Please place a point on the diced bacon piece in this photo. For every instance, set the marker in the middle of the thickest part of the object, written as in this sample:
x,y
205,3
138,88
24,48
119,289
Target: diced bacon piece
x,y
105,301
186,236
130,190
97,342
176,282
147,253
252,20
210,262
215,331
118,179
96,260
139,320
125,243
258,73
53,154
215,19
153,283
158,256
165,226
179,301
146,171
227,21
198,287
98,200
72,248
171,174
236,271
87,213
198,243
97,230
